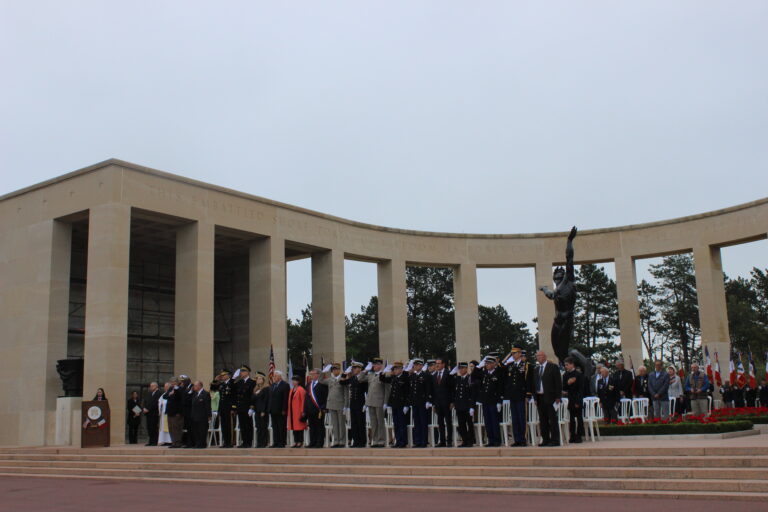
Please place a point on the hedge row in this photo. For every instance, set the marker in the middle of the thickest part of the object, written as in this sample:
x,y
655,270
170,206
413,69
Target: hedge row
x,y
657,429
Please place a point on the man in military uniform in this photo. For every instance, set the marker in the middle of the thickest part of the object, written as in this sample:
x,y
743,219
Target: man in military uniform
x,y
338,400
374,401
188,394
491,389
226,407
464,400
356,405
516,391
243,391
399,395
421,402
573,389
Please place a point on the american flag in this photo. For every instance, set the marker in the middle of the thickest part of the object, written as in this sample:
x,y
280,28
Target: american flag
x,y
271,365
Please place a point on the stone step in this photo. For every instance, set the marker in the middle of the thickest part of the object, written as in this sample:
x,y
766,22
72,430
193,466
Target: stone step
x,y
421,481
583,450
675,494
344,458
467,470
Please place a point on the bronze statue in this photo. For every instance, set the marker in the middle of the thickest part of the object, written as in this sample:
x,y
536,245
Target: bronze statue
x,y
564,296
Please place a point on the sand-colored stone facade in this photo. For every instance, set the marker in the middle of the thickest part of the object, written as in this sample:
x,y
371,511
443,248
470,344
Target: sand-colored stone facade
x,y
35,247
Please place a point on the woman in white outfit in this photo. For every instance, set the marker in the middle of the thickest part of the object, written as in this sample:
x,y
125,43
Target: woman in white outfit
x,y
676,390
165,436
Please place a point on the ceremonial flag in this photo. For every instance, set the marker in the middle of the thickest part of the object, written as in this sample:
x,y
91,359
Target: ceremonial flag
x,y
766,366
306,368
290,373
752,380
718,379
731,370
741,376
681,374
708,363
271,366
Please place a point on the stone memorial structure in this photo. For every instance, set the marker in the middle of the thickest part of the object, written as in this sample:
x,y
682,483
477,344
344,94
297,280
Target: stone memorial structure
x,y
145,274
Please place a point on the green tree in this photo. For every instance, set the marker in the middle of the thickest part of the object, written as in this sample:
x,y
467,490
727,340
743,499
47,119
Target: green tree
x,y
430,312
498,333
300,338
596,317
362,331
747,312
677,305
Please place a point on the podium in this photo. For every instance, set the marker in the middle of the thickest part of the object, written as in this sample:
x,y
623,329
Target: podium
x,y
95,424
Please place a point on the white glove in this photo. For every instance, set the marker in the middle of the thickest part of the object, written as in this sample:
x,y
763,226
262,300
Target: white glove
x,y
498,407
327,368
482,364
346,409
365,408
368,367
409,366
471,412
455,370
405,410
510,358
251,412
388,368
348,370
429,405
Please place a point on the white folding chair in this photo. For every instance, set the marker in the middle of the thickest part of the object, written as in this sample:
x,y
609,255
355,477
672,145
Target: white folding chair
x,y
237,431
719,403
640,409
591,414
479,425
409,428
533,430
389,425
214,430
709,405
625,409
563,421
455,427
432,427
368,430
506,421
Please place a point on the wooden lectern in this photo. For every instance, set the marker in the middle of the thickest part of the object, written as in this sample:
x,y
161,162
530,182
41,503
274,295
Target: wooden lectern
x,y
95,424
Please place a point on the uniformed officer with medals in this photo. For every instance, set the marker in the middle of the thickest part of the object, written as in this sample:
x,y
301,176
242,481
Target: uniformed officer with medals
x,y
398,401
356,405
421,402
464,400
489,395
243,391
226,408
516,391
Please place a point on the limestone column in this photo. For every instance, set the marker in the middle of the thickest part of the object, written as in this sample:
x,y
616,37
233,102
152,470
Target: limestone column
x,y
466,315
629,311
393,310
545,309
193,325
267,303
328,328
106,309
713,313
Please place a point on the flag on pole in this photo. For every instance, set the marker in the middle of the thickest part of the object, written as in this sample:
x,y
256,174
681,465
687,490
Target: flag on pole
x,y
681,374
741,376
718,379
708,363
731,370
306,369
766,365
752,380
271,366
290,373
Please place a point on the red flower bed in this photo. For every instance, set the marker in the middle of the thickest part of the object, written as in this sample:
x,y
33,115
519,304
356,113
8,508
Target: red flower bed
x,y
717,416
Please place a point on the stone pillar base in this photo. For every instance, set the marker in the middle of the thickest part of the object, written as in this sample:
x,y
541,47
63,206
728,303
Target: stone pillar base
x,y
68,412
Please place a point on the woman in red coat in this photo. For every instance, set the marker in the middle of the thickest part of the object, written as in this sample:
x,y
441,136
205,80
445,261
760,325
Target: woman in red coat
x,y
296,421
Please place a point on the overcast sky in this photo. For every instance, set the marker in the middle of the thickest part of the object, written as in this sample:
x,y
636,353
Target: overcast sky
x,y
494,117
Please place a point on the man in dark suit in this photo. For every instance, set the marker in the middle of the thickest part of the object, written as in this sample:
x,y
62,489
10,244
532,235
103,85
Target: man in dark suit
x,y
547,388
278,409
356,405
315,408
188,438
226,407
201,414
658,388
174,409
442,385
398,400
622,380
243,392
607,393
573,388
152,413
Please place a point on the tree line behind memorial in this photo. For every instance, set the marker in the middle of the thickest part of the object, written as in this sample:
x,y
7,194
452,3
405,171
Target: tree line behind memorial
x,y
669,317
